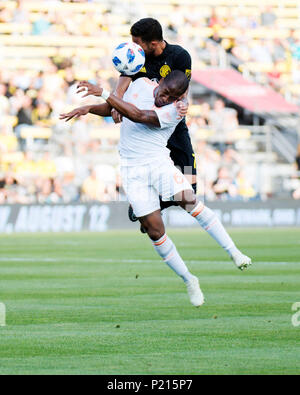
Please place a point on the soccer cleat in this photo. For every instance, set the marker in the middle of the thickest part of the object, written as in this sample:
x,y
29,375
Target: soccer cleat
x,y
194,292
131,214
242,261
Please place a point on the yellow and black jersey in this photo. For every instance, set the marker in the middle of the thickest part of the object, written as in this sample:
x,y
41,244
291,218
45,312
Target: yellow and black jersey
x,y
174,57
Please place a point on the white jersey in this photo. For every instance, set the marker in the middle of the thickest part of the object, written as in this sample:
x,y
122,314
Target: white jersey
x,y
142,144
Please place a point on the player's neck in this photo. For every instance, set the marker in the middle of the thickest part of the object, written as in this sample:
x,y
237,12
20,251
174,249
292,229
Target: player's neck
x,y
160,48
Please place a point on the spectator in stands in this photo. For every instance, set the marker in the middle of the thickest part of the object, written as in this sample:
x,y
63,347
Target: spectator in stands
x,y
69,190
41,114
208,162
24,113
10,189
214,21
41,25
5,14
81,135
8,141
49,193
36,97
93,189
224,186
176,19
223,121
24,117
20,15
261,53
245,189
268,17
45,167
26,167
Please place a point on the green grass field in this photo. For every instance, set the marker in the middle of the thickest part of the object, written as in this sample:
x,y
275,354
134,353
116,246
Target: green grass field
x,y
105,304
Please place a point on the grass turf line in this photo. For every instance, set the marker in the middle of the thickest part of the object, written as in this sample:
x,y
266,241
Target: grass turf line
x,y
105,304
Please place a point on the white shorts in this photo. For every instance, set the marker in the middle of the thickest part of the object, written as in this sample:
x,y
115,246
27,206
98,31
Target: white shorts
x,y
144,184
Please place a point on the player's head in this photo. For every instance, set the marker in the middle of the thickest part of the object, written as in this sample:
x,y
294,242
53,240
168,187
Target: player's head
x,y
171,88
147,33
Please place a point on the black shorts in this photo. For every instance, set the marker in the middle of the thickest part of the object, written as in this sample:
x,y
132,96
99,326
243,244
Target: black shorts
x,y
182,152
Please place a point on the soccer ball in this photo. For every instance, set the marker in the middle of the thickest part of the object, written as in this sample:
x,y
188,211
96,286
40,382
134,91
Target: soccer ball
x,y
128,58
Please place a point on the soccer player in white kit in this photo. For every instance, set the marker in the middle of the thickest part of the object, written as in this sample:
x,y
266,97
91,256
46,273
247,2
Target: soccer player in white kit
x,y
150,117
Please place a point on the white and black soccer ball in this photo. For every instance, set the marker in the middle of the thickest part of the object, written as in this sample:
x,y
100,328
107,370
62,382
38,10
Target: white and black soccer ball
x,y
128,58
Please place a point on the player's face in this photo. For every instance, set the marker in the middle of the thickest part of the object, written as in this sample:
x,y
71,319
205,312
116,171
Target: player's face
x,y
165,95
149,48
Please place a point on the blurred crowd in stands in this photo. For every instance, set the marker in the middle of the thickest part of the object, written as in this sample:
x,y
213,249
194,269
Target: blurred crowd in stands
x,y
44,160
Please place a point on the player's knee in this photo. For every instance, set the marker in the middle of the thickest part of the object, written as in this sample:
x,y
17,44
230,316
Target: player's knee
x,y
188,199
155,232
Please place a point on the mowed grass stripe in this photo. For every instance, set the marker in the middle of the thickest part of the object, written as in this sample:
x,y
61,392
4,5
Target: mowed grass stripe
x,y
125,312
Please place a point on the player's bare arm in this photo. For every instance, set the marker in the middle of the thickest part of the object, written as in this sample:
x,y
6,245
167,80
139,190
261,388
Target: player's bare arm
x,y
133,113
102,110
122,86
126,109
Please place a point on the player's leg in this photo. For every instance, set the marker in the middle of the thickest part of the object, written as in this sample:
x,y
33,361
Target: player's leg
x,y
166,249
144,199
184,160
182,154
174,186
209,221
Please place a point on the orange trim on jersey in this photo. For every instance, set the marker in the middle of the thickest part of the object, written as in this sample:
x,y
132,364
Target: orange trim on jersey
x,y
196,213
159,243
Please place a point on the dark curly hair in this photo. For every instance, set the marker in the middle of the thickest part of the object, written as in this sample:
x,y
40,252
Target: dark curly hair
x,y
148,29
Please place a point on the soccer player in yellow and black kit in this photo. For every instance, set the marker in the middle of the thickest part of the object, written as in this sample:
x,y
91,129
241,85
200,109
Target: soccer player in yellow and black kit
x,y
161,59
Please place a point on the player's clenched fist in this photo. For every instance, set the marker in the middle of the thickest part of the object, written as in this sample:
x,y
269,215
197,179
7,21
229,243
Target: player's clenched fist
x,y
182,108
78,112
89,89
116,116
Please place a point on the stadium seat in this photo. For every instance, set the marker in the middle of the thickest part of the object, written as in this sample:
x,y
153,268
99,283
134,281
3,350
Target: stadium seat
x,y
112,133
239,134
13,28
26,64
48,41
204,134
12,157
45,6
29,52
9,120
34,132
255,67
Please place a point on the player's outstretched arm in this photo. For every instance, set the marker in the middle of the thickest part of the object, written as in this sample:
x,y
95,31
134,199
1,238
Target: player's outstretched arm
x,y
102,110
133,113
126,109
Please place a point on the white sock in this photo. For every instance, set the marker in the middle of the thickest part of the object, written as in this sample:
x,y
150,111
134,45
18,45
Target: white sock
x,y
167,250
211,223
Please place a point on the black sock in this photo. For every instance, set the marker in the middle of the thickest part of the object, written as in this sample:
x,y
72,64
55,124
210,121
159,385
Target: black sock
x,y
164,205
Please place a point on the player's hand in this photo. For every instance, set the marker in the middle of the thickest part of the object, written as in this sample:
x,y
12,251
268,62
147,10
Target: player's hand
x,y
78,112
116,116
89,88
182,108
